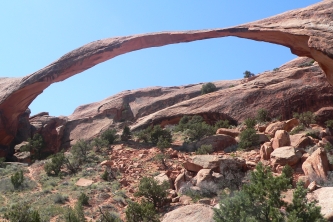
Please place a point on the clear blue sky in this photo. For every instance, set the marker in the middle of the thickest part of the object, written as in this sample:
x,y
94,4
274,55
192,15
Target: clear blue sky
x,y
36,33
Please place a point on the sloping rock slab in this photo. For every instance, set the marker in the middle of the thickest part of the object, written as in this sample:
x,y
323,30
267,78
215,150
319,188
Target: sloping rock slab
x,y
192,213
285,155
82,182
196,163
324,196
316,166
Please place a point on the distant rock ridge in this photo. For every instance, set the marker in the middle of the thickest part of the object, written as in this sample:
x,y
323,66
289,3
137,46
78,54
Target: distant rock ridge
x,y
307,32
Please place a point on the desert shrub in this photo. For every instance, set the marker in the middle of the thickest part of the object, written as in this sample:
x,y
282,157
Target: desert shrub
x,y
35,145
313,133
183,123
161,158
248,138
329,123
301,209
208,88
60,199
75,214
141,212
275,69
305,118
80,150
250,123
208,189
152,191
261,200
17,179
83,199
105,176
297,129
328,147
222,124
248,74
109,216
232,176
306,64
158,133
204,149
109,135
194,194
2,162
164,142
54,167
100,143
22,212
126,134
262,116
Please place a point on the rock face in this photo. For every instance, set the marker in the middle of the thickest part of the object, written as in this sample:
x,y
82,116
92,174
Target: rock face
x,y
285,155
307,32
324,196
281,138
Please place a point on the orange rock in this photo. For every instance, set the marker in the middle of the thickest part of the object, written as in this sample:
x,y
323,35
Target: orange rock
x,y
316,166
281,139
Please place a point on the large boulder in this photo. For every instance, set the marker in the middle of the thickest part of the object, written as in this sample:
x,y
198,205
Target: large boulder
x,y
324,196
204,175
265,151
193,213
230,132
290,124
218,142
273,127
198,162
316,166
285,155
281,139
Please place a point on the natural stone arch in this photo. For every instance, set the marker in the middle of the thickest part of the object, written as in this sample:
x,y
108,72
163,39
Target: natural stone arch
x,y
307,32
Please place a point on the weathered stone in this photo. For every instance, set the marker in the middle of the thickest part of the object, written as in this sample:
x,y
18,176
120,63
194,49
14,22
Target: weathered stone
x,y
316,166
82,182
230,132
198,162
324,196
17,148
273,127
182,180
203,175
23,157
281,139
262,138
265,151
161,178
285,155
193,213
290,124
218,142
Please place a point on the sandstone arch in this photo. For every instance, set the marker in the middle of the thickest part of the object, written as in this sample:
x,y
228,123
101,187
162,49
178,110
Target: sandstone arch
x,y
307,32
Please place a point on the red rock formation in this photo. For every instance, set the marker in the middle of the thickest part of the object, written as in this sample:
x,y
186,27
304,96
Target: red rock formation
x,y
307,32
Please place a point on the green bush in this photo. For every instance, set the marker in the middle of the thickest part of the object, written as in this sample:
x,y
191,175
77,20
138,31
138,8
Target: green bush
x,y
248,138
75,214
204,149
329,123
22,212
17,179
160,134
222,124
35,145
248,74
99,143
54,167
250,123
208,88
275,69
141,212
2,162
161,158
80,150
60,199
261,200
328,147
262,116
306,64
305,118
297,129
109,135
126,134
152,191
83,199
109,216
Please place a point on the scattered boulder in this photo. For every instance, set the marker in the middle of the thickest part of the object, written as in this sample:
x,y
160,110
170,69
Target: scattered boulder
x,y
198,162
193,213
273,127
163,177
285,155
23,157
17,148
82,182
265,151
219,142
324,196
290,124
230,132
203,175
262,138
316,166
305,180
182,179
281,139
323,114
304,142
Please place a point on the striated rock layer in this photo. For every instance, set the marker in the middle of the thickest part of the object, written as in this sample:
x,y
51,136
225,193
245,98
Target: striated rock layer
x,y
307,32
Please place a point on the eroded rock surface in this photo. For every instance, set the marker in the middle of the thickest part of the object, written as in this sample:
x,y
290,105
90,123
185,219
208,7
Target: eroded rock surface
x,y
307,32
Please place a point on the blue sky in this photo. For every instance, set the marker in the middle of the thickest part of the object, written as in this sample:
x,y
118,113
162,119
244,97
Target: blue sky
x,y
36,33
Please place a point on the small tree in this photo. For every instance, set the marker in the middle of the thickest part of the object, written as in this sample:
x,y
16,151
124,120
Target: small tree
x,y
22,212
109,135
152,191
305,118
126,134
222,124
75,214
248,138
208,88
142,212
54,167
80,150
35,145
99,143
248,74
204,149
262,116
250,123
83,199
109,216
159,134
17,179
